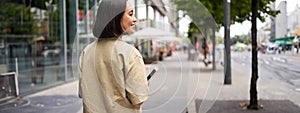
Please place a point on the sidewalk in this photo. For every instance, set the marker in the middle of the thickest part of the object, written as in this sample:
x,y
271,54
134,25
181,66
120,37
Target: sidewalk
x,y
59,99
274,96
178,87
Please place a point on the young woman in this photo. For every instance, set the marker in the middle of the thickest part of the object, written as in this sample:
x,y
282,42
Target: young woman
x,y
112,72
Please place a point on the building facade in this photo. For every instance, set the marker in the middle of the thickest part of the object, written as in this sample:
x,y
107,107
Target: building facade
x,y
41,40
37,42
156,14
294,21
281,21
273,22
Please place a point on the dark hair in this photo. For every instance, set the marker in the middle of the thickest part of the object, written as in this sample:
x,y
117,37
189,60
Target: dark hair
x,y
108,19
113,28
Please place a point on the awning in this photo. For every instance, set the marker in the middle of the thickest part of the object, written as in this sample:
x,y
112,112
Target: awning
x,y
282,42
151,33
169,38
282,39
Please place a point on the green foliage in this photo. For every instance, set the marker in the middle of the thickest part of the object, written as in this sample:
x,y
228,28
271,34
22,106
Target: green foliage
x,y
240,10
55,24
219,40
202,20
215,7
242,39
192,29
82,6
31,3
198,13
17,19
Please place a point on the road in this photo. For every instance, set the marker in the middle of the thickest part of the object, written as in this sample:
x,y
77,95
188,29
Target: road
x,y
178,82
282,67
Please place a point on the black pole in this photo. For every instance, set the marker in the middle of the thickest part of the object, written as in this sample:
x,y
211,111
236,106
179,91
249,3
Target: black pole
x,y
227,57
253,85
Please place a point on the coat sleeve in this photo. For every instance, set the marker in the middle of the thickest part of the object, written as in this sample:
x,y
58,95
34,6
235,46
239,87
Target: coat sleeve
x,y
80,73
135,81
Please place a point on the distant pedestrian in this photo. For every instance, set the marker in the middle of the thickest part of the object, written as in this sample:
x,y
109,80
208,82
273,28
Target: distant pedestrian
x,y
204,50
184,48
204,47
112,72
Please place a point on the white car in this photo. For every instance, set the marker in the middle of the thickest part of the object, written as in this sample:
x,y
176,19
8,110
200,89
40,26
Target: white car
x,y
272,48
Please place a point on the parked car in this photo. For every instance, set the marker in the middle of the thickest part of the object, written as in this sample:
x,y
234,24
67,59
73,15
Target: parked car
x,y
272,48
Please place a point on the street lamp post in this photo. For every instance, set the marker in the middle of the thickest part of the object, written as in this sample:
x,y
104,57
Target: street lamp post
x,y
227,55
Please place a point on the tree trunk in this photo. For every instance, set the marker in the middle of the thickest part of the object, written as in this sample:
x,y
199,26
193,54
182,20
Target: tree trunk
x,y
253,89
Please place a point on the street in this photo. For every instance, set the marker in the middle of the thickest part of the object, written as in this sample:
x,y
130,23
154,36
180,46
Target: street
x,y
281,67
179,82
42,42
172,89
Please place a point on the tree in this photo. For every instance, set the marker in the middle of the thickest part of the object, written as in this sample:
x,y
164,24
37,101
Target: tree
x,y
219,40
192,29
32,3
17,19
82,4
253,85
243,39
202,20
240,11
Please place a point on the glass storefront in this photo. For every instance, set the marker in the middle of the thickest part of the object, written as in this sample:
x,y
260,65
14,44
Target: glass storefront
x,y
37,40
42,39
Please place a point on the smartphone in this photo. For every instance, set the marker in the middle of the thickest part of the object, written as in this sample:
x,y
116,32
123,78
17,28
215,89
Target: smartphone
x,y
152,73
